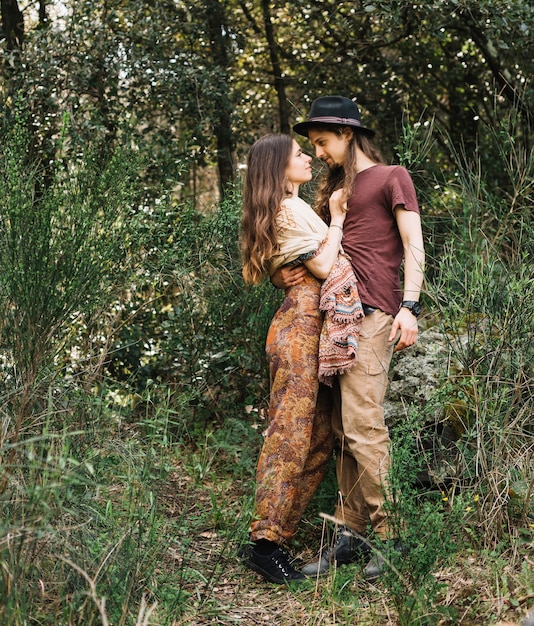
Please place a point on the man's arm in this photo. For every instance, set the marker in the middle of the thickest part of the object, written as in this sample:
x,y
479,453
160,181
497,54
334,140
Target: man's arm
x,y
287,276
409,224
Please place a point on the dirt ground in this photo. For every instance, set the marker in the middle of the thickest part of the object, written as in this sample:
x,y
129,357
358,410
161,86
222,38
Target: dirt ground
x,y
222,591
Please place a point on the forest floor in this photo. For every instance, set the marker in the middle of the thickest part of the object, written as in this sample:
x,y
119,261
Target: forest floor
x,y
220,590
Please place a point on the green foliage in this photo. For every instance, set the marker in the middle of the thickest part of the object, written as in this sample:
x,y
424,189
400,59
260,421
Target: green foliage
x,y
203,333
135,71
63,244
424,527
195,83
483,289
65,252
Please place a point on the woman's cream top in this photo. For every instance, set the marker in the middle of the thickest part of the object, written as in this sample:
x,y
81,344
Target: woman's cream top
x,y
300,231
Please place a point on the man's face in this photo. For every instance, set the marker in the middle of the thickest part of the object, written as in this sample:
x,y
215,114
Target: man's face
x,y
329,146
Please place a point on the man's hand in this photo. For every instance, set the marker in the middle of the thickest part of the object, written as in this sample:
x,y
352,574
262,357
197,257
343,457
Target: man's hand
x,y
285,277
404,323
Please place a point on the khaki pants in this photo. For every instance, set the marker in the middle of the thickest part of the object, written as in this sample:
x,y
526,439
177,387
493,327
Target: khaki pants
x,y
358,423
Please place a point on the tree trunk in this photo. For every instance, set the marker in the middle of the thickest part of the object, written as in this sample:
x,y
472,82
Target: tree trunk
x,y
279,82
43,16
223,122
12,25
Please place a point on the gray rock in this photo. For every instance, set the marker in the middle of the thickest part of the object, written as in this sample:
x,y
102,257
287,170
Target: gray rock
x,y
416,373
415,376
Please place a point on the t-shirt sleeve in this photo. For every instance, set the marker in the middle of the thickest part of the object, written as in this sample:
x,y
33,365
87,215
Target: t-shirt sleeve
x,y
402,190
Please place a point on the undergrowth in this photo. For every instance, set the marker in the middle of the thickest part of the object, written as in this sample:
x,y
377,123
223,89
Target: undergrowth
x,y
133,395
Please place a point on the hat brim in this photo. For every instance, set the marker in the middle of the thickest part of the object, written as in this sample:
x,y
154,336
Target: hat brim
x,y
303,127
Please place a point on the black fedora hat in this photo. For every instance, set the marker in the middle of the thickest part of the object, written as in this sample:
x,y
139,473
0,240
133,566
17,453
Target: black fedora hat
x,y
332,110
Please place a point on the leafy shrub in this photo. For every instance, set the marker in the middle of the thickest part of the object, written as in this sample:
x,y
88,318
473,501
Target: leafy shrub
x,y
483,290
202,333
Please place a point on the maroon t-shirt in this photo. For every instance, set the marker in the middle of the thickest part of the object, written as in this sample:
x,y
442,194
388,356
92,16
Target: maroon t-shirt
x,y
371,237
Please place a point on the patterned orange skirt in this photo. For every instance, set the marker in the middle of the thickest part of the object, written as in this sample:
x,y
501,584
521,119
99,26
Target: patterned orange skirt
x,y
298,442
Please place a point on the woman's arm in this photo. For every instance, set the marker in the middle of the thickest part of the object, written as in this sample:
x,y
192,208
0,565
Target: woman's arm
x,y
321,264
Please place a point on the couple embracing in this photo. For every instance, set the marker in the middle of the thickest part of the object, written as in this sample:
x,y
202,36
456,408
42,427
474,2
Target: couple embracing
x,y
330,343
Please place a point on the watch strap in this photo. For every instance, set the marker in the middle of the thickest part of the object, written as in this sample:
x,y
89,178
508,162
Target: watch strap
x,y
414,306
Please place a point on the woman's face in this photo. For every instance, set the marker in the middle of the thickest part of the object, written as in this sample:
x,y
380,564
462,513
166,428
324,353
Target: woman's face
x,y
298,169
329,146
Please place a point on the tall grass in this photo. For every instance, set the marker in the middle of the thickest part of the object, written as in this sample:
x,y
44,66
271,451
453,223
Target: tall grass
x,y
423,525
483,290
63,251
78,530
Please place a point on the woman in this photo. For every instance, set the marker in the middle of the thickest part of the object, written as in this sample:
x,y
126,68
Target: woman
x,y
279,228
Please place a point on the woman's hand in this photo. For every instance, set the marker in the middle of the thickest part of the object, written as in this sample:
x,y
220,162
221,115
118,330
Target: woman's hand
x,y
338,207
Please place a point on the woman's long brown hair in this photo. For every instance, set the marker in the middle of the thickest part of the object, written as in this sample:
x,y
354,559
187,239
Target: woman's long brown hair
x,y
264,189
344,176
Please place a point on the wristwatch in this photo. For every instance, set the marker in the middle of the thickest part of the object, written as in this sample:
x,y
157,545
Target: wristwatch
x,y
413,306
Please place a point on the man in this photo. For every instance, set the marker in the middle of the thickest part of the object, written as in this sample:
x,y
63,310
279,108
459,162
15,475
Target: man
x,y
382,229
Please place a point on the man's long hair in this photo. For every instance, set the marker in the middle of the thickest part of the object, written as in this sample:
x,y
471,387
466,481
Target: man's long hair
x,y
344,176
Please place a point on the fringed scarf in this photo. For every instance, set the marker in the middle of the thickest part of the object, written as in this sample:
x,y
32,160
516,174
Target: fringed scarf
x,y
340,301
301,234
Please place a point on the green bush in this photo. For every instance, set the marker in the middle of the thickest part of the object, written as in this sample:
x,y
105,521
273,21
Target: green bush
x,y
202,332
483,290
